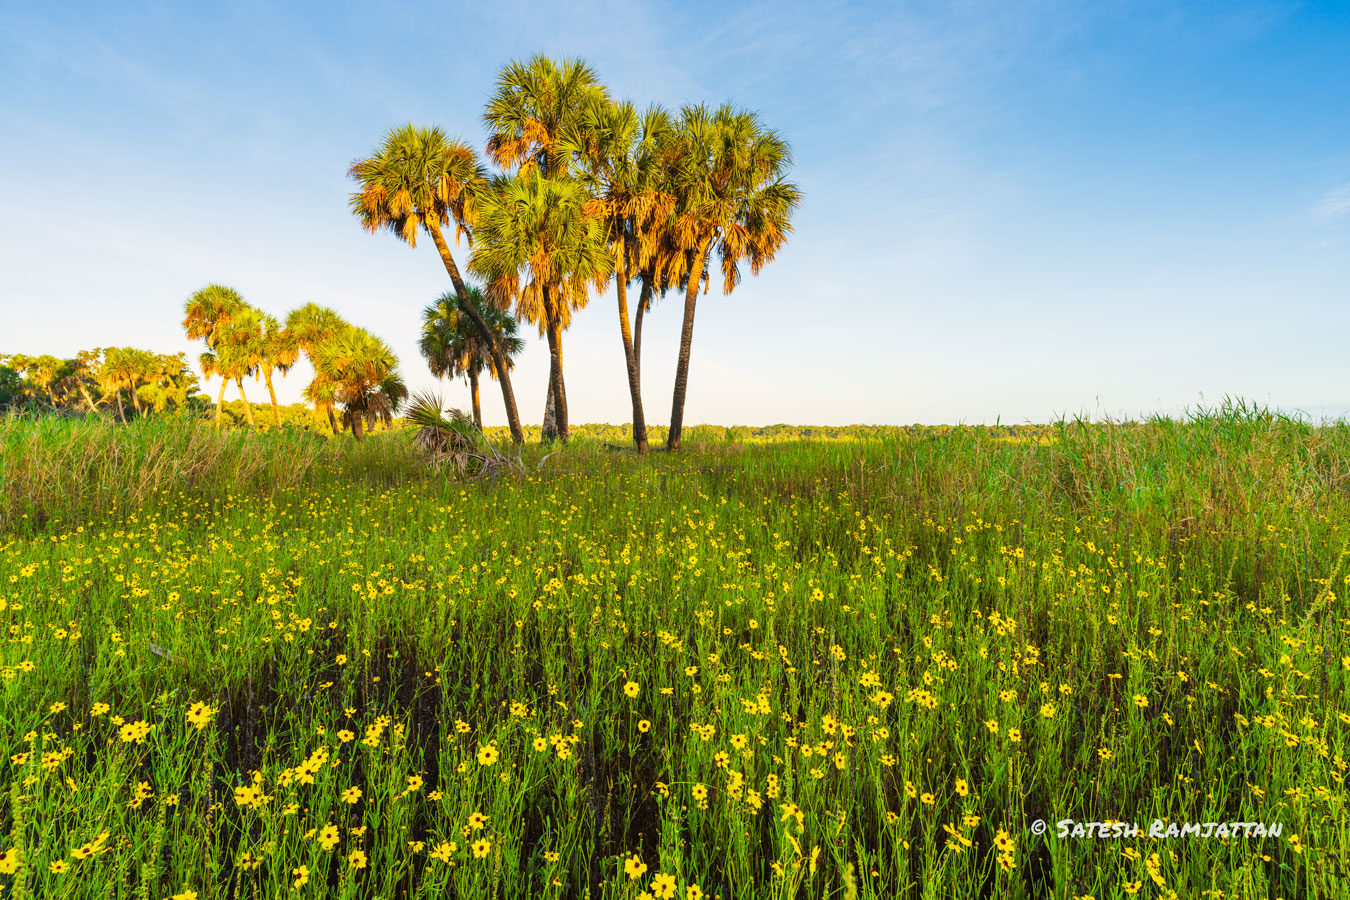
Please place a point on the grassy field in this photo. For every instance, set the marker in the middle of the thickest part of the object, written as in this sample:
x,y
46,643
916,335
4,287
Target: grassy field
x,y
266,665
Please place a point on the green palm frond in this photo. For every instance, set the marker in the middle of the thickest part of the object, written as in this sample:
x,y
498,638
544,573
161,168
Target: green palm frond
x,y
449,437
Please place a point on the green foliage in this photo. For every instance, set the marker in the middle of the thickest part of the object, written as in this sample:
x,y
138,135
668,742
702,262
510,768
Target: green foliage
x,y
11,388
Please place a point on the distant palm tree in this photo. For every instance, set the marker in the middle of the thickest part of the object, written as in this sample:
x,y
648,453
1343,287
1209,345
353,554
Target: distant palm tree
x,y
453,346
538,228
206,314
622,167
311,326
239,352
323,394
728,176
279,351
418,179
125,368
358,371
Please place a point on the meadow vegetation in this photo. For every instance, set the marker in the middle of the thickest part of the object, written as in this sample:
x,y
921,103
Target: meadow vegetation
x,y
260,664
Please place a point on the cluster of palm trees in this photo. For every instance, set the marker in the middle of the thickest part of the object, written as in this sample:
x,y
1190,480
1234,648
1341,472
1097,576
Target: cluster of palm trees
x,y
589,190
92,378
355,372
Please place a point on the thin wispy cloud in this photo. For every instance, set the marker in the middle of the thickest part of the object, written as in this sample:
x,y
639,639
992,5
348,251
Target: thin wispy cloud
x,y
1333,206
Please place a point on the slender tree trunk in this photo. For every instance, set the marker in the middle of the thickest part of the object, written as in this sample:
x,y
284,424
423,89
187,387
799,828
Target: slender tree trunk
x,y
332,420
473,390
276,410
634,388
121,413
358,425
555,363
498,355
87,398
135,400
686,340
248,410
220,400
548,430
644,301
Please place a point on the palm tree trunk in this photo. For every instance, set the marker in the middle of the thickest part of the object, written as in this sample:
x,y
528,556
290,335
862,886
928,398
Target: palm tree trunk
x,y
548,430
121,413
473,390
686,340
498,356
555,364
248,410
332,420
135,401
276,410
220,401
630,357
84,389
358,425
644,301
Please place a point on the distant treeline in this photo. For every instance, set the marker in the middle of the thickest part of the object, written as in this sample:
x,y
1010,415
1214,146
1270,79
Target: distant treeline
x,y
125,380
619,434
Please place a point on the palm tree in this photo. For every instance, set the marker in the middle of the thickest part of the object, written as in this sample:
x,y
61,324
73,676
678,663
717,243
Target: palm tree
x,y
623,169
43,371
124,368
537,102
311,326
540,226
279,351
358,371
206,314
239,352
453,346
110,380
419,179
731,198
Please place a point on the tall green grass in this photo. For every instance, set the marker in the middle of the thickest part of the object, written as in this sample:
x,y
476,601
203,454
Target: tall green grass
x,y
57,469
856,667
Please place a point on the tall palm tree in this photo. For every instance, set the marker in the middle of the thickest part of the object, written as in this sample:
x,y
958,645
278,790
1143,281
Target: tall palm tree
x,y
622,167
206,314
361,374
239,352
453,346
311,326
732,199
536,103
420,180
538,226
279,350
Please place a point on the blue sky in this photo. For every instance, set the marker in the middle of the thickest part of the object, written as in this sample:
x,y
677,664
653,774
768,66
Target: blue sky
x,y
1012,210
